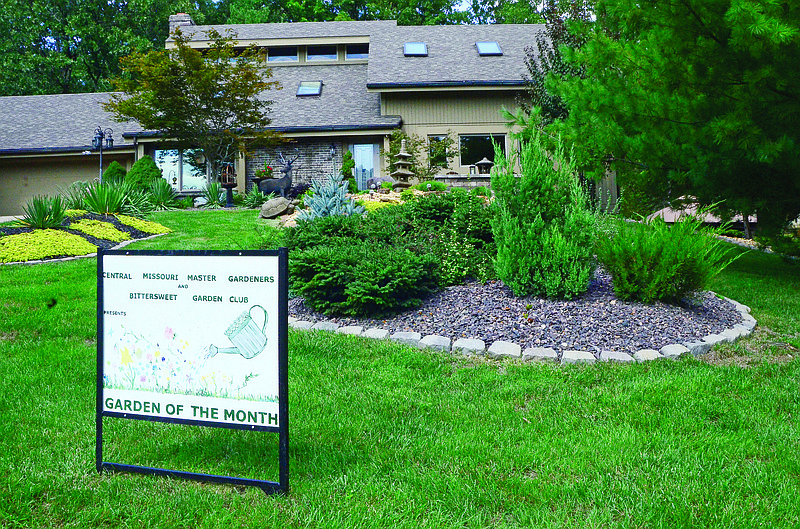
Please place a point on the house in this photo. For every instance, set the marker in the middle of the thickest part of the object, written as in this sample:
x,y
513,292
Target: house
x,y
346,85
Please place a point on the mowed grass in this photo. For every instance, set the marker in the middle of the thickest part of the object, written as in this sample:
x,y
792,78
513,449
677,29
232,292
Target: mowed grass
x,y
386,436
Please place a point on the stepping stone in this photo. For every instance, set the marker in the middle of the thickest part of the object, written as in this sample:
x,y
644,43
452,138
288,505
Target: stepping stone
x,y
439,343
698,348
469,346
503,349
615,356
356,330
325,326
673,351
303,325
377,334
540,354
577,357
409,338
646,355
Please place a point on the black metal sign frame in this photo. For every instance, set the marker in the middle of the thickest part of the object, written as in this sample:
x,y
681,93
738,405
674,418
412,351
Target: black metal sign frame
x,y
269,487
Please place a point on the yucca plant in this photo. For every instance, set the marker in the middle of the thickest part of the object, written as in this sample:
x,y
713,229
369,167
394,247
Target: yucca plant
x,y
43,212
162,196
73,195
213,194
106,198
255,198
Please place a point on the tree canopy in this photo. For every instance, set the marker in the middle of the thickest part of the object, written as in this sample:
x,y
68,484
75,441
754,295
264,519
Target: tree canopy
x,y
210,100
700,96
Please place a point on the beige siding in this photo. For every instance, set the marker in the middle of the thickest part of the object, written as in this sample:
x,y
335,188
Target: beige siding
x,y
23,178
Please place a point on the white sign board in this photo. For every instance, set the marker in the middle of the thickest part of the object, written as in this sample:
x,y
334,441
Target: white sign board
x,y
191,338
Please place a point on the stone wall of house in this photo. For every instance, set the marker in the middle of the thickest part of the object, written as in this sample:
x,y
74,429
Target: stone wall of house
x,y
314,160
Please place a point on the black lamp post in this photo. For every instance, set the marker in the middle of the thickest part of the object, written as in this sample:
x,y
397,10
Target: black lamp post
x,y
102,135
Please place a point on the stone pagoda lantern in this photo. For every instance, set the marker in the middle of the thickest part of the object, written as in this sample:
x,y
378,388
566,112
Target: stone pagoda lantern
x,y
402,162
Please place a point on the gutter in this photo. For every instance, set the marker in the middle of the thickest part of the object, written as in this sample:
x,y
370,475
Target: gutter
x,y
319,128
447,84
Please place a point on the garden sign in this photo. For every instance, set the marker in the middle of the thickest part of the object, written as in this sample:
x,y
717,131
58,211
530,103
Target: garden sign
x,y
194,338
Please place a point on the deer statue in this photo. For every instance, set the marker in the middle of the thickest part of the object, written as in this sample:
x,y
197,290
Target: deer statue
x,y
280,185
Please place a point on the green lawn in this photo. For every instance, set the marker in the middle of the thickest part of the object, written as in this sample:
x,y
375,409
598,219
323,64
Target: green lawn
x,y
386,436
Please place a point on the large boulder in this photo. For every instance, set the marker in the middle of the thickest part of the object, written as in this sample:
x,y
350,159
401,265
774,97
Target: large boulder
x,y
274,208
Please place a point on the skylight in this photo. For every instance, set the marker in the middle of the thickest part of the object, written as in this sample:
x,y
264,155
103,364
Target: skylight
x,y
415,49
488,48
309,88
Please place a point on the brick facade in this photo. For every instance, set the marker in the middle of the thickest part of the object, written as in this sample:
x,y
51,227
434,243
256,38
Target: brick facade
x,y
314,162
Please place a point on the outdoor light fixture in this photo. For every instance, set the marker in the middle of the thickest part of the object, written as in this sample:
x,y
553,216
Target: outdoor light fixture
x,y
333,149
101,135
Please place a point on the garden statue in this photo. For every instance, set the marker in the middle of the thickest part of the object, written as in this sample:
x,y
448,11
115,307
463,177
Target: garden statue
x,y
279,185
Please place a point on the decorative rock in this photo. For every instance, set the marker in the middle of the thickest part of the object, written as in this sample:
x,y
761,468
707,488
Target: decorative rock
x,y
698,348
351,329
469,346
377,334
540,354
274,208
645,355
673,351
731,335
432,341
615,356
577,357
714,339
503,349
409,338
303,325
325,326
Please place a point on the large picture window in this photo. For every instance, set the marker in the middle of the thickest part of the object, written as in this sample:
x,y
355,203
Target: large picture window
x,y
476,147
181,169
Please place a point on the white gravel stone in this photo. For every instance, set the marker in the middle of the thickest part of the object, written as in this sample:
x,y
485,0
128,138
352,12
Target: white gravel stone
x,y
409,338
673,351
577,357
302,325
615,356
646,355
503,349
469,346
325,326
540,354
698,348
377,334
433,341
356,330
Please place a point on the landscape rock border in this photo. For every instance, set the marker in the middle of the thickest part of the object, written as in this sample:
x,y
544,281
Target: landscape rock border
x,y
508,350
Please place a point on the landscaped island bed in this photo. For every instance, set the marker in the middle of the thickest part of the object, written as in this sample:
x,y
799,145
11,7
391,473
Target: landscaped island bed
x,y
594,322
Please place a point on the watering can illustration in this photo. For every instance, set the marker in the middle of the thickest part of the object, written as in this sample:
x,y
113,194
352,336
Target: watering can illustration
x,y
249,340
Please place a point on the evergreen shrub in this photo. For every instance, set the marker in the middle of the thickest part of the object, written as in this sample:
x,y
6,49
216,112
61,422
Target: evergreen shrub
x,y
329,198
651,261
143,172
114,173
543,226
362,279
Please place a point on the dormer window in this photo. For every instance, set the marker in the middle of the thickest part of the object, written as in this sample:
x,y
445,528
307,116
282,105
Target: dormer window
x,y
309,88
488,48
415,49
321,53
283,54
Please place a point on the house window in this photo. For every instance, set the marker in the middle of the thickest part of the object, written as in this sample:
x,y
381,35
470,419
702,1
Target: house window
x,y
284,54
321,53
309,88
182,169
488,48
357,51
476,147
415,49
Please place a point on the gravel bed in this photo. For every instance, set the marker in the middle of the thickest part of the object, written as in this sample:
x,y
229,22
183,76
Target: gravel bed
x,y
594,322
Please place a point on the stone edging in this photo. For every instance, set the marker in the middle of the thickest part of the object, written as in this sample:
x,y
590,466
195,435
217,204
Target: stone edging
x,y
502,349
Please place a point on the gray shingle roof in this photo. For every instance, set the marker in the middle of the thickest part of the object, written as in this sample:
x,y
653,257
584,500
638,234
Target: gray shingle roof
x,y
62,122
452,59
295,30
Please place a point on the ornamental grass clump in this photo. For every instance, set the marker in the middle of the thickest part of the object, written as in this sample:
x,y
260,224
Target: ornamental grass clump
x,y
651,261
543,225
43,212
